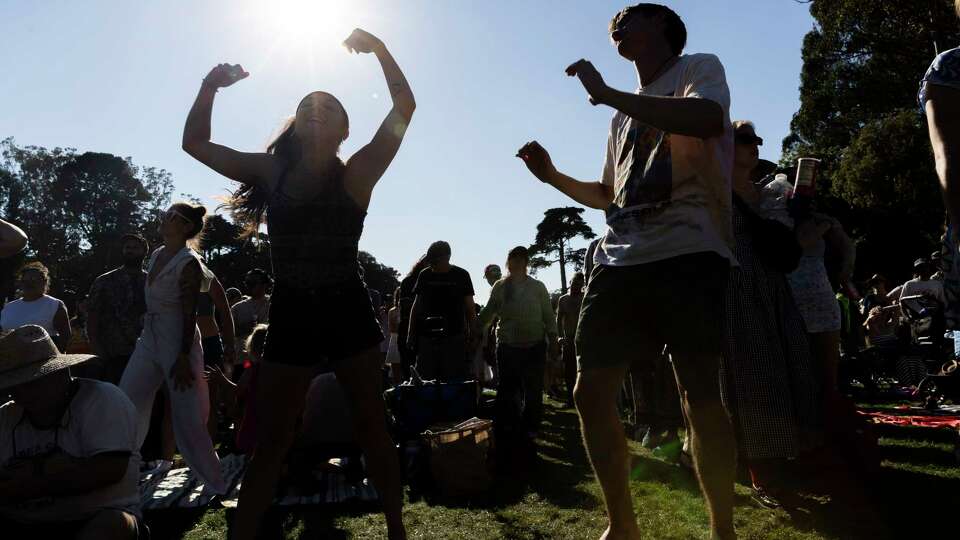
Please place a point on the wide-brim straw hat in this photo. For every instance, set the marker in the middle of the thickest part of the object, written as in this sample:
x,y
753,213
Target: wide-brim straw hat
x,y
28,353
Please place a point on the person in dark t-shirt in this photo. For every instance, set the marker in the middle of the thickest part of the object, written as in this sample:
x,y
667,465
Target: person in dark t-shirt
x,y
443,318
407,356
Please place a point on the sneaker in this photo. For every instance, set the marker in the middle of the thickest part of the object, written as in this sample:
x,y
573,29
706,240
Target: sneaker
x,y
764,498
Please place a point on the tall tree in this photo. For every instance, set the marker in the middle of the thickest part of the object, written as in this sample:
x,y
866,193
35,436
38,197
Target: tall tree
x,y
378,276
861,66
232,261
220,236
552,245
74,207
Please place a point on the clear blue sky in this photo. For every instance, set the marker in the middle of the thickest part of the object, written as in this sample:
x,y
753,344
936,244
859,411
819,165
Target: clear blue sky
x,y
119,76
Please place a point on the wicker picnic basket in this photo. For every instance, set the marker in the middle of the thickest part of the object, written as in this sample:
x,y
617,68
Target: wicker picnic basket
x,y
459,457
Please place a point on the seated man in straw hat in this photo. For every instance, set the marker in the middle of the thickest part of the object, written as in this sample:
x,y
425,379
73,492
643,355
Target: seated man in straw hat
x,y
68,456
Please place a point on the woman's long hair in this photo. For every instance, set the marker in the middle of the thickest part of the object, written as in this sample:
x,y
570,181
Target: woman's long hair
x,y
418,267
248,203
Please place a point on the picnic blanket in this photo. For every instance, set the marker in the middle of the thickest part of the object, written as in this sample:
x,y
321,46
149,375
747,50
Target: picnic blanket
x,y
180,488
946,417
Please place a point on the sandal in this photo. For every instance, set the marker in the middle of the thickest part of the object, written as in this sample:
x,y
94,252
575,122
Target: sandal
x,y
764,498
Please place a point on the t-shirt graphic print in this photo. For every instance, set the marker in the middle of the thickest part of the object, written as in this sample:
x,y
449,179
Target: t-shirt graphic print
x,y
646,155
672,193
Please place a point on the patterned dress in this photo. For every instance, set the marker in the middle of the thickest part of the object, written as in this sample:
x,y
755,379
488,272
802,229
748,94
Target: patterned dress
x,y
813,293
945,71
767,379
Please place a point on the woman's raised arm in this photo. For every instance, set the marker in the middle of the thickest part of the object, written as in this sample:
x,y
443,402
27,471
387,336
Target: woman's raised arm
x,y
366,166
247,167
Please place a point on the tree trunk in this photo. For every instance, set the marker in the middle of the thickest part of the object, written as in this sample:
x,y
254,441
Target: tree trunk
x,y
563,269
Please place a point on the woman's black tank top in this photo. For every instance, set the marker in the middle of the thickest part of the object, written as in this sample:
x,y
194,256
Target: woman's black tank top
x,y
314,244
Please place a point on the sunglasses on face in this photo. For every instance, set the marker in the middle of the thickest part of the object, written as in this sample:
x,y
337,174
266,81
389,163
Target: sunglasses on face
x,y
746,138
170,214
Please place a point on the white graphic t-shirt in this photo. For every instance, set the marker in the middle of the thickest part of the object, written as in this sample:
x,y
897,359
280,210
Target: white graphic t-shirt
x,y
672,193
100,419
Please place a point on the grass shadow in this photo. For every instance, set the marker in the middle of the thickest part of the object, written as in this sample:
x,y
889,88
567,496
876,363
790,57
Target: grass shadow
x,y
562,464
941,435
922,504
172,522
918,455
315,521
320,522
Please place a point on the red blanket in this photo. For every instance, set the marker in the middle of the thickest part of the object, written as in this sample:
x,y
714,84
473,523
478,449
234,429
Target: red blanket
x,y
942,421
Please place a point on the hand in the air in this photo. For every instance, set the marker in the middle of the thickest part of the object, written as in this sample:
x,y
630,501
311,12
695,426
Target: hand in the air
x,y
224,75
591,80
361,41
536,158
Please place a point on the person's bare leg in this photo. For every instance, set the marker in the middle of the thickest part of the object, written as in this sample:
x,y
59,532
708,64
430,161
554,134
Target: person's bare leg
x,y
360,378
281,392
109,525
595,395
712,439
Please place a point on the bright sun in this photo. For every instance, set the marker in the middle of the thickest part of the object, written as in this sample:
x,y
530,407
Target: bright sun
x,y
306,21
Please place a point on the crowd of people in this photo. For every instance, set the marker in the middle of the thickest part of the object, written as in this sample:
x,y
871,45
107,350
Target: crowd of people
x,y
712,269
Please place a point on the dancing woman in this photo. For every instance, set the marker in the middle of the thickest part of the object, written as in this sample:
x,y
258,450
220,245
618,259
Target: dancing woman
x,y
315,205
169,348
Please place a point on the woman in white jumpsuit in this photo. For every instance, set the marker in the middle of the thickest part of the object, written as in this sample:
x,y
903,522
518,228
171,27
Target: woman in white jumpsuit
x,y
158,356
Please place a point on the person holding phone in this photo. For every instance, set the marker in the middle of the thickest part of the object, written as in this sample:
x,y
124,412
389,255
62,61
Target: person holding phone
x,y
315,205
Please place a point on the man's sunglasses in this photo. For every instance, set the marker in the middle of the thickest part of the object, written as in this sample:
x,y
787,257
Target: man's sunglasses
x,y
746,138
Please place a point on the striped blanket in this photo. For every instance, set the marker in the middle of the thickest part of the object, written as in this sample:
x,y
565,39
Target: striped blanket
x,y
179,488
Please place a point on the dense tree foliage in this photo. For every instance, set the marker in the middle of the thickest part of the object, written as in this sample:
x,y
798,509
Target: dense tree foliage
x,y
862,64
74,208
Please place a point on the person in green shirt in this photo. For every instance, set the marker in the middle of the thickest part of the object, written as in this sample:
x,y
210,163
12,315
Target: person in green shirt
x,y
526,333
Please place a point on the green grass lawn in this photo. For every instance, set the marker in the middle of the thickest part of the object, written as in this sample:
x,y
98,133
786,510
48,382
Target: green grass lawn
x,y
916,492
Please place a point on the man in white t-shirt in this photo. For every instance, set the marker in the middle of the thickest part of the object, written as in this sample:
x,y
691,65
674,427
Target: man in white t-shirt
x,y
921,285
255,309
662,264
68,447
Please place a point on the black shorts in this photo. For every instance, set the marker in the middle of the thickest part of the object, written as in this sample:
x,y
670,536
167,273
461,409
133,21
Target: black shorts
x,y
631,312
212,351
320,327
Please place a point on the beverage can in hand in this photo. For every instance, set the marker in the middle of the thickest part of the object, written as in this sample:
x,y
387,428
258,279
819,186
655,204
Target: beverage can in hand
x,y
805,183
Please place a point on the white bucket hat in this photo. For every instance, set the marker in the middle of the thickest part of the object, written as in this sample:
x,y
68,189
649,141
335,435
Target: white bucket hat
x,y
27,353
